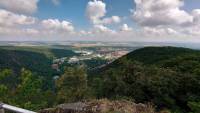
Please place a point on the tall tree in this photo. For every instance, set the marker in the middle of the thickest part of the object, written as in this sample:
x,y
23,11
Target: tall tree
x,y
72,85
29,92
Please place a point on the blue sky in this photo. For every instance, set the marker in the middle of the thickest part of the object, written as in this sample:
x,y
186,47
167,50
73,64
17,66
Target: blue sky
x,y
107,20
192,4
74,10
71,10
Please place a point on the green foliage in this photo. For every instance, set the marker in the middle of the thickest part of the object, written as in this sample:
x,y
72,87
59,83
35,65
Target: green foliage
x,y
167,76
16,60
8,78
155,55
49,52
3,93
35,59
26,92
29,89
72,85
95,62
194,106
59,53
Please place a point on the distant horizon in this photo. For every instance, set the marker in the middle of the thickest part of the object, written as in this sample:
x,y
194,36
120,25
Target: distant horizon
x,y
84,41
191,45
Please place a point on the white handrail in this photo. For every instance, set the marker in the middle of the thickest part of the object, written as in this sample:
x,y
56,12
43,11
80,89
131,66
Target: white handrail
x,y
14,109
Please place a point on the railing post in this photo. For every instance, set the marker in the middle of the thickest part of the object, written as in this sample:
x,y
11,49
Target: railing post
x,y
2,111
1,108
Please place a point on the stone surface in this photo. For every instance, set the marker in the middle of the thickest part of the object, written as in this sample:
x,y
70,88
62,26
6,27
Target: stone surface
x,y
101,106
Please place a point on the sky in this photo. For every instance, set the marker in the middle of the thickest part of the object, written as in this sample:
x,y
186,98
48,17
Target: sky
x,y
100,20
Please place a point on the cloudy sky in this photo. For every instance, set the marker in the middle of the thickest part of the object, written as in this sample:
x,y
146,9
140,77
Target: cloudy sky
x,y
100,20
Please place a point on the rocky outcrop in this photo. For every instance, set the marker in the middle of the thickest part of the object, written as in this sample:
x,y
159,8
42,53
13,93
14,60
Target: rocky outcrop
x,y
101,106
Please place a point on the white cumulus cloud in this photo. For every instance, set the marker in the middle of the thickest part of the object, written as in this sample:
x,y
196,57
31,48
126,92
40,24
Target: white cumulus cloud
x,y
56,26
110,20
96,12
125,27
20,6
11,19
102,29
161,12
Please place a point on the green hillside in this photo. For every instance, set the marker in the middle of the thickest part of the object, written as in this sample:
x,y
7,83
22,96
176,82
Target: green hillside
x,y
16,60
36,59
48,51
167,57
156,55
169,77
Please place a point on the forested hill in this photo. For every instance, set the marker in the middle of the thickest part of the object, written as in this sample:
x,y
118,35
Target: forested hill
x,y
154,55
160,56
16,60
169,77
36,59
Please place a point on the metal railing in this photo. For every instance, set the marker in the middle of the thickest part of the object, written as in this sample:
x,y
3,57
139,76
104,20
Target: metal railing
x,y
7,107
